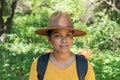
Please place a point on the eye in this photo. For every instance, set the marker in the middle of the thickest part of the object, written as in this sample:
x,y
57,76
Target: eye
x,y
69,35
56,35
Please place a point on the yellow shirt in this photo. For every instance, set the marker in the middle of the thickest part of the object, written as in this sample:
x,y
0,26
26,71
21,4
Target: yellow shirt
x,y
55,73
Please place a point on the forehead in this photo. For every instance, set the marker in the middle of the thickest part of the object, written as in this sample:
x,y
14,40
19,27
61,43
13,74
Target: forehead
x,y
61,31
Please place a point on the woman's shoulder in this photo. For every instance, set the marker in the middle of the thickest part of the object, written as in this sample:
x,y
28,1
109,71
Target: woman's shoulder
x,y
35,61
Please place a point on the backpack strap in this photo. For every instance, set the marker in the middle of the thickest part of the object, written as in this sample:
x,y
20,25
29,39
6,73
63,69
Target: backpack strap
x,y
42,65
82,66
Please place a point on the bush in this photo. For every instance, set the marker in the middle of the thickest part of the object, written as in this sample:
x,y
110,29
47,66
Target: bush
x,y
103,34
106,64
16,65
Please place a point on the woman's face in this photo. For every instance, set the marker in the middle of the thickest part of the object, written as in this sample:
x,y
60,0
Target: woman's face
x,y
61,40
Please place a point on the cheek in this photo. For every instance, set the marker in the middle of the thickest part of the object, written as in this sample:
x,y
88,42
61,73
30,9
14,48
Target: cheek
x,y
71,41
54,43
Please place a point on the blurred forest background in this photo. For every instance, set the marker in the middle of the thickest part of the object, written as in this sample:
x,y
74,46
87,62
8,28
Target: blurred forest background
x,y
19,46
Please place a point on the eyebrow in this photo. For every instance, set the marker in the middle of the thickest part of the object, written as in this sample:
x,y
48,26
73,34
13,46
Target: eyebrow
x,y
55,32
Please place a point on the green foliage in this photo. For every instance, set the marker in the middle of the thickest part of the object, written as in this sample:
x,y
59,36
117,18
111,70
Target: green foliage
x,y
111,8
7,4
106,65
14,65
103,33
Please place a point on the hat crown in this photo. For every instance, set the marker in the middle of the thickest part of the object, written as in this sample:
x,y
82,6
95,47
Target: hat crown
x,y
60,20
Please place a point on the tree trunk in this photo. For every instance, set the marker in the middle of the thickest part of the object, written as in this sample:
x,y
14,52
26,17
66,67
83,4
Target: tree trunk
x,y
5,26
1,16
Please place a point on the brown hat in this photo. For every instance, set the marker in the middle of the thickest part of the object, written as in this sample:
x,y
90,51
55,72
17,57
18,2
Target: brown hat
x,y
60,20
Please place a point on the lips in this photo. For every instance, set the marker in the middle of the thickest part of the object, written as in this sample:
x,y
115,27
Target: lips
x,y
64,46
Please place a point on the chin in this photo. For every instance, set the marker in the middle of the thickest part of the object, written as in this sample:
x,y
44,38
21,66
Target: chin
x,y
64,51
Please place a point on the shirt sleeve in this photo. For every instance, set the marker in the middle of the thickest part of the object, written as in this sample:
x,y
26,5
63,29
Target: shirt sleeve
x,y
90,73
33,71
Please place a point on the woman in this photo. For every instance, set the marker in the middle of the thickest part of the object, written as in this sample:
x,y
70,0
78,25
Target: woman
x,y
61,64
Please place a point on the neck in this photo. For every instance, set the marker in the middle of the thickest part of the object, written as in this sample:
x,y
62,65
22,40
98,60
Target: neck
x,y
62,60
61,57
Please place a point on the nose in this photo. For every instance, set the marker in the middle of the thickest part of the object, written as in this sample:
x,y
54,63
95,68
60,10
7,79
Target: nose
x,y
63,40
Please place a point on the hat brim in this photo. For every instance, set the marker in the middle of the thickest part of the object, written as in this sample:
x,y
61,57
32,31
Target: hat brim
x,y
76,33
